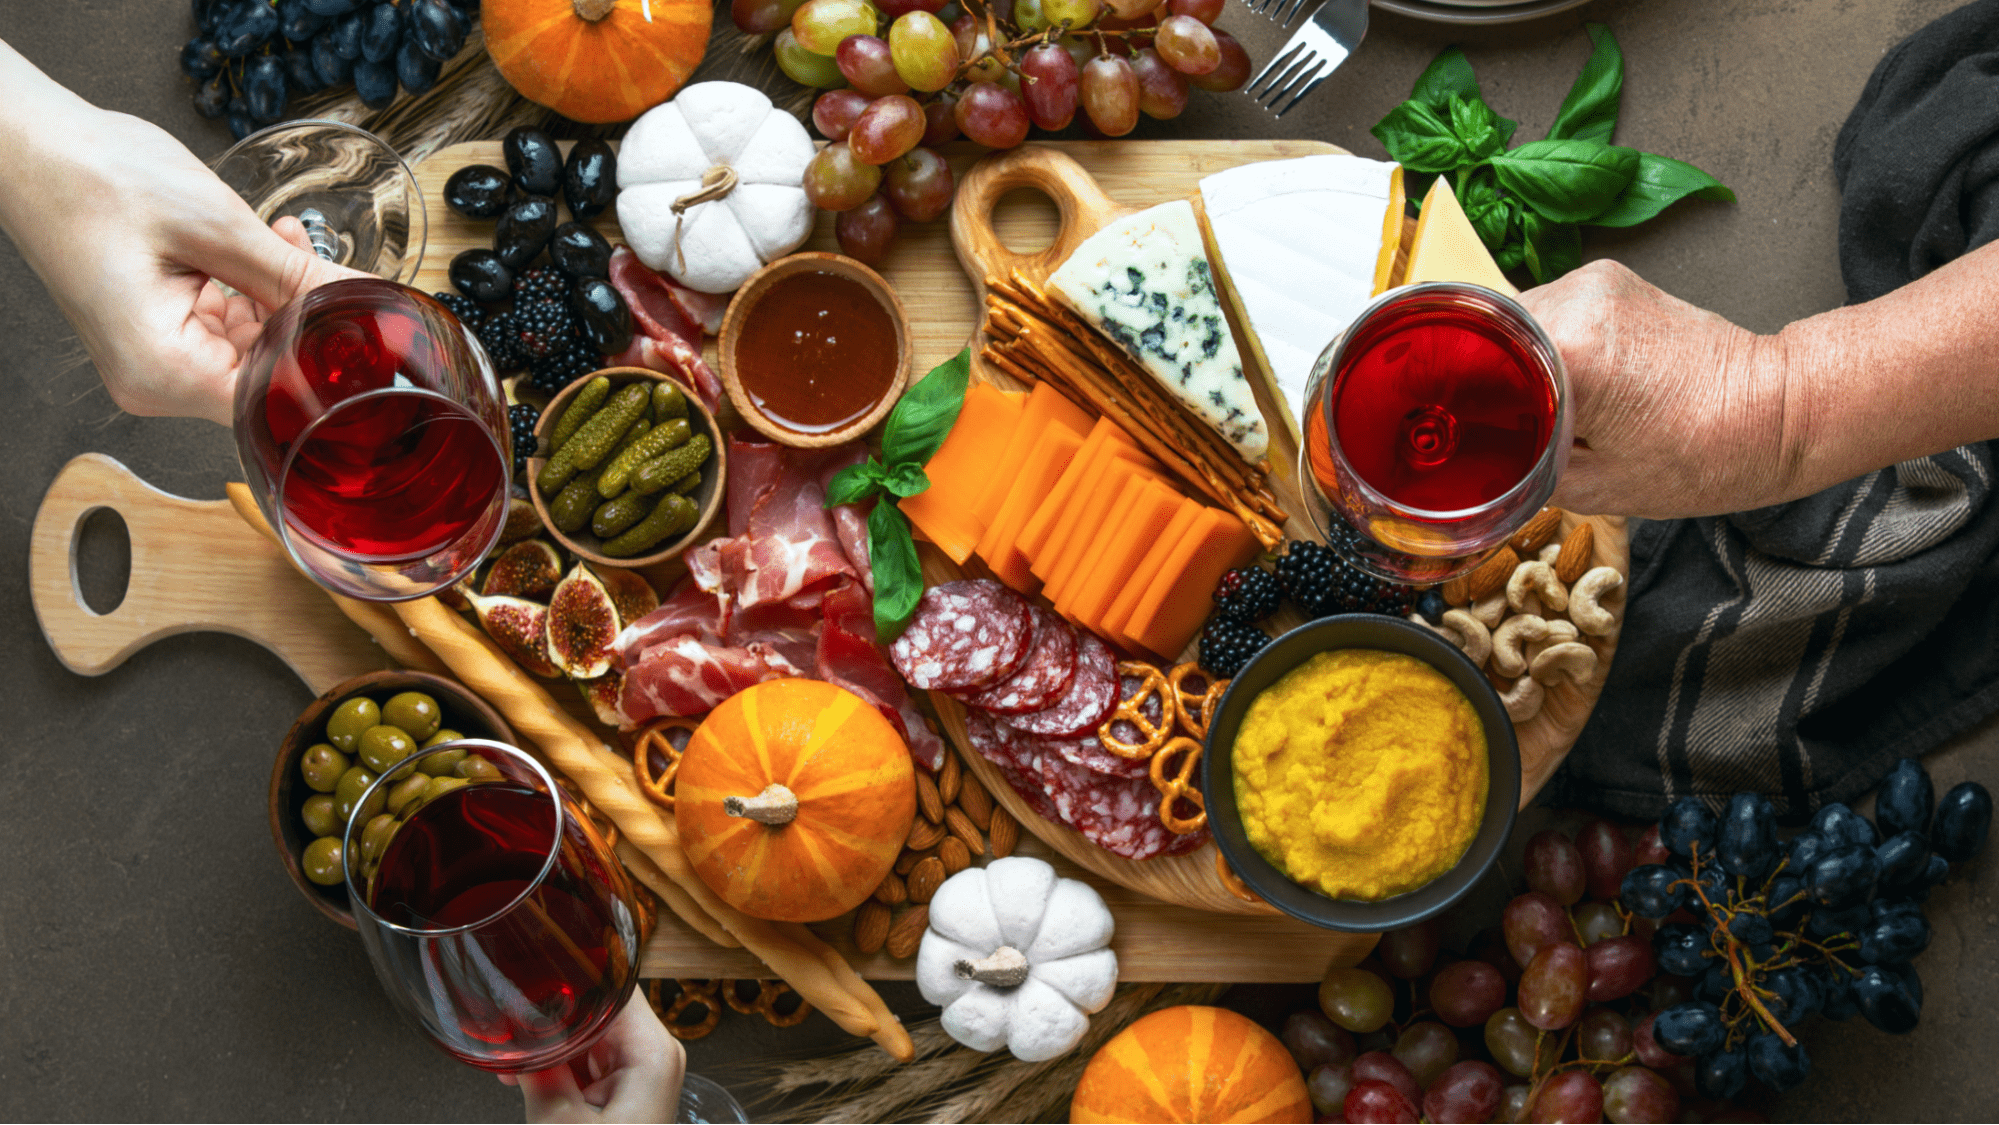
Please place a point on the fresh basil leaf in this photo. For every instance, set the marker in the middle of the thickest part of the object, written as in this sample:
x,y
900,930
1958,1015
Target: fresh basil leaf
x,y
1551,249
898,574
1449,73
1589,113
854,483
1484,206
1566,181
1473,122
1660,183
905,479
1419,139
921,421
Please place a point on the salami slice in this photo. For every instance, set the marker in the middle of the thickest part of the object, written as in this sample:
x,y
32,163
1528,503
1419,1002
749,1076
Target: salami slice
x,y
1090,753
1029,786
987,739
965,635
1043,676
1117,814
1091,697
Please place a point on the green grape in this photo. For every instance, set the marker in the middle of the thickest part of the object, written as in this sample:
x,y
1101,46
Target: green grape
x,y
821,24
1074,13
1356,999
1028,14
835,180
924,51
1510,1039
804,67
1427,1049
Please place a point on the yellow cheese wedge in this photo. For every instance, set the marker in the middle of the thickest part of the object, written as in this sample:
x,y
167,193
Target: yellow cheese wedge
x,y
1391,231
1446,248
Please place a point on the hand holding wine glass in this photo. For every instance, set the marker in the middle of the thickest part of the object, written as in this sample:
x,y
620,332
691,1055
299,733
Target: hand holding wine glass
x,y
636,1071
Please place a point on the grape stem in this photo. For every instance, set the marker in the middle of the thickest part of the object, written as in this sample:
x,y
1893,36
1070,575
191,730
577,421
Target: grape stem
x,y
1732,949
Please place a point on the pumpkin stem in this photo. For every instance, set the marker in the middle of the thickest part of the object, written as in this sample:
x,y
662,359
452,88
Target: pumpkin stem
x,y
718,181
593,10
1005,967
775,806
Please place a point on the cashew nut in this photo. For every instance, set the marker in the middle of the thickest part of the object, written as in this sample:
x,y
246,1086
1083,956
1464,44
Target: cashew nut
x,y
1468,633
1560,631
1491,609
1539,578
1575,660
1586,601
1513,632
1523,699
1551,552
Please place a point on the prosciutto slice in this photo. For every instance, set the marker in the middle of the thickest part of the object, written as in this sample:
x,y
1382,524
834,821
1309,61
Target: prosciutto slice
x,y
666,330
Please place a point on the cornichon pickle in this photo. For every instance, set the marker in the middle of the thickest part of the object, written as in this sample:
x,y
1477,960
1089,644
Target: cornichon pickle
x,y
667,402
675,514
671,466
614,516
686,485
595,440
671,434
585,404
571,508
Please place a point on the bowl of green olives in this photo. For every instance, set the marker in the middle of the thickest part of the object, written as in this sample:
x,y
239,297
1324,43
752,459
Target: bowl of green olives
x,y
341,743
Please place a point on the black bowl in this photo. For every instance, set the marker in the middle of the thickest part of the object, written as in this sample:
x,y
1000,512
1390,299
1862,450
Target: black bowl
x,y
1388,634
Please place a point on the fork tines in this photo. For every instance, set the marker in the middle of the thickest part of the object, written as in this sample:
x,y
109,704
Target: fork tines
x,y
1280,12
1307,60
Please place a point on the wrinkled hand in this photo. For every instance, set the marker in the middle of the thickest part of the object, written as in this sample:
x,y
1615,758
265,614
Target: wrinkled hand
x,y
1682,412
635,1072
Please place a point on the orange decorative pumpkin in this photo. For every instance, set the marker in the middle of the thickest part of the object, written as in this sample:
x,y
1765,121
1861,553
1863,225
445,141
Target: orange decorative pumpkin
x,y
597,60
794,799
1192,1063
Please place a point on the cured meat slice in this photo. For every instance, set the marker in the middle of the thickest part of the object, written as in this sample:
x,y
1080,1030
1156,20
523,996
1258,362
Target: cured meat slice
x,y
1090,753
1090,699
1030,789
1118,815
1042,678
988,739
965,635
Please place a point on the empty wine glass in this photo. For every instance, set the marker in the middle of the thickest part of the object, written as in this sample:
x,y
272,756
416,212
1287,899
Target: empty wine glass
x,y
359,202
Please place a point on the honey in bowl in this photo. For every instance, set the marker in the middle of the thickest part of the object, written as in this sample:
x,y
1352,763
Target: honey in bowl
x,y
817,352
1361,774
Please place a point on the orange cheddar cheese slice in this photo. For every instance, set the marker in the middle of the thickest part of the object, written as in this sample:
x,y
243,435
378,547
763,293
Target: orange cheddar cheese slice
x,y
1044,466
1172,609
1086,497
1034,534
1150,512
1092,513
1045,407
1103,534
961,470
1113,623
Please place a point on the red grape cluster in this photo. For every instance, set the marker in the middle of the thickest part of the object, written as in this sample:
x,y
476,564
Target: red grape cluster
x,y
1547,1017
901,80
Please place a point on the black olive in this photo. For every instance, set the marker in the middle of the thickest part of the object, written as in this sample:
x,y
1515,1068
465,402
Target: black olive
x,y
522,232
482,276
533,159
579,251
590,178
601,313
477,191
515,194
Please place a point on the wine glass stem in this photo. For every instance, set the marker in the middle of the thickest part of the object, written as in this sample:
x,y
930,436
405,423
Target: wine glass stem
x,y
319,232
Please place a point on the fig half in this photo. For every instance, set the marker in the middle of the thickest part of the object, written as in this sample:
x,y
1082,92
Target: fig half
x,y
630,593
528,569
582,625
520,628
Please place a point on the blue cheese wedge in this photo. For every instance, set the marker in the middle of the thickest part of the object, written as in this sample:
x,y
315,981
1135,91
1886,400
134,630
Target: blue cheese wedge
x,y
1145,282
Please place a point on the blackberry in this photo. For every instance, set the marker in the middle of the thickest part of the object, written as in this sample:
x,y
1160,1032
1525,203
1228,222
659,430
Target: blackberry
x,y
1309,574
1227,645
462,307
565,367
1353,591
520,426
1247,594
542,283
1390,598
500,335
547,327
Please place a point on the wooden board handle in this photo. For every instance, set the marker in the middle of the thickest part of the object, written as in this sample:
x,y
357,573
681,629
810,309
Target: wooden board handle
x,y
196,567
1081,202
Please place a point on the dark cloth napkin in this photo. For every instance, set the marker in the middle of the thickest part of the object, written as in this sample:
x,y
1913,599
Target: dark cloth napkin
x,y
1802,649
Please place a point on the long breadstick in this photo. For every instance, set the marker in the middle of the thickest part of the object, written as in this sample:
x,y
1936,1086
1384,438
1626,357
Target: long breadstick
x,y
669,892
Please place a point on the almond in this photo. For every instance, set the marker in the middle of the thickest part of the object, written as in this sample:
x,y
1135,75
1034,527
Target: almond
x,y
925,879
909,859
949,778
906,935
1491,575
929,799
924,834
871,923
892,891
1457,591
962,827
955,855
1543,527
1577,552
977,803
1005,833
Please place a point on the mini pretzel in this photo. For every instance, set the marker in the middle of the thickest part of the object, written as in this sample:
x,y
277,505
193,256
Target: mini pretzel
x,y
1132,710
1232,881
657,739
1179,786
1194,709
692,993
764,1003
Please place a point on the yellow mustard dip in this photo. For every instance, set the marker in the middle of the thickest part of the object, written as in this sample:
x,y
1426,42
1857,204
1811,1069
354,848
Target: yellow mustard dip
x,y
1361,774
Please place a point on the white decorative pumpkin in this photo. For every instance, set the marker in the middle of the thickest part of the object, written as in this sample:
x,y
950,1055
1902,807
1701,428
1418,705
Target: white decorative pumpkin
x,y
1017,958
726,140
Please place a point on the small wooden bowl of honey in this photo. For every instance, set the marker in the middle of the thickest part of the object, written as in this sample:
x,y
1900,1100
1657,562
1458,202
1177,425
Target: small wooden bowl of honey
x,y
815,350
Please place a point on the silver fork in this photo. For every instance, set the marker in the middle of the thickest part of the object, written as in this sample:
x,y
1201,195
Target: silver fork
x,y
1314,51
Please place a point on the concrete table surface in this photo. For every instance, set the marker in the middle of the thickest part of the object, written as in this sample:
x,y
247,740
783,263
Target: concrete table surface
x,y
157,964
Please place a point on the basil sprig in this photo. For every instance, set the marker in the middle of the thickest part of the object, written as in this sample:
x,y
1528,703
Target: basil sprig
x,y
915,428
1527,202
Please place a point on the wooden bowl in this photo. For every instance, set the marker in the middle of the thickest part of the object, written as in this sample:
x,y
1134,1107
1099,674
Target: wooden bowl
x,y
745,302
708,497
463,712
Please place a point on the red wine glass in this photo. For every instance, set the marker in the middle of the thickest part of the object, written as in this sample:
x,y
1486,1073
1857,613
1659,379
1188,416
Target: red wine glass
x,y
1436,426
495,913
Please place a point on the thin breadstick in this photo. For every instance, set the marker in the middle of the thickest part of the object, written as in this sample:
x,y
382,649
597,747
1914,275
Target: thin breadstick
x,y
670,893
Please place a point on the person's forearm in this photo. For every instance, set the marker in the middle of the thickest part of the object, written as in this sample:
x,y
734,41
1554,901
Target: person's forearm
x,y
35,113
1911,373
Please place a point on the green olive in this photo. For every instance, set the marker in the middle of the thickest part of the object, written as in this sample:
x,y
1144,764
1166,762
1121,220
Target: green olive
x,y
441,737
319,816
382,746
322,766
439,786
415,712
321,862
349,719
479,769
444,763
347,794
408,793
375,837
